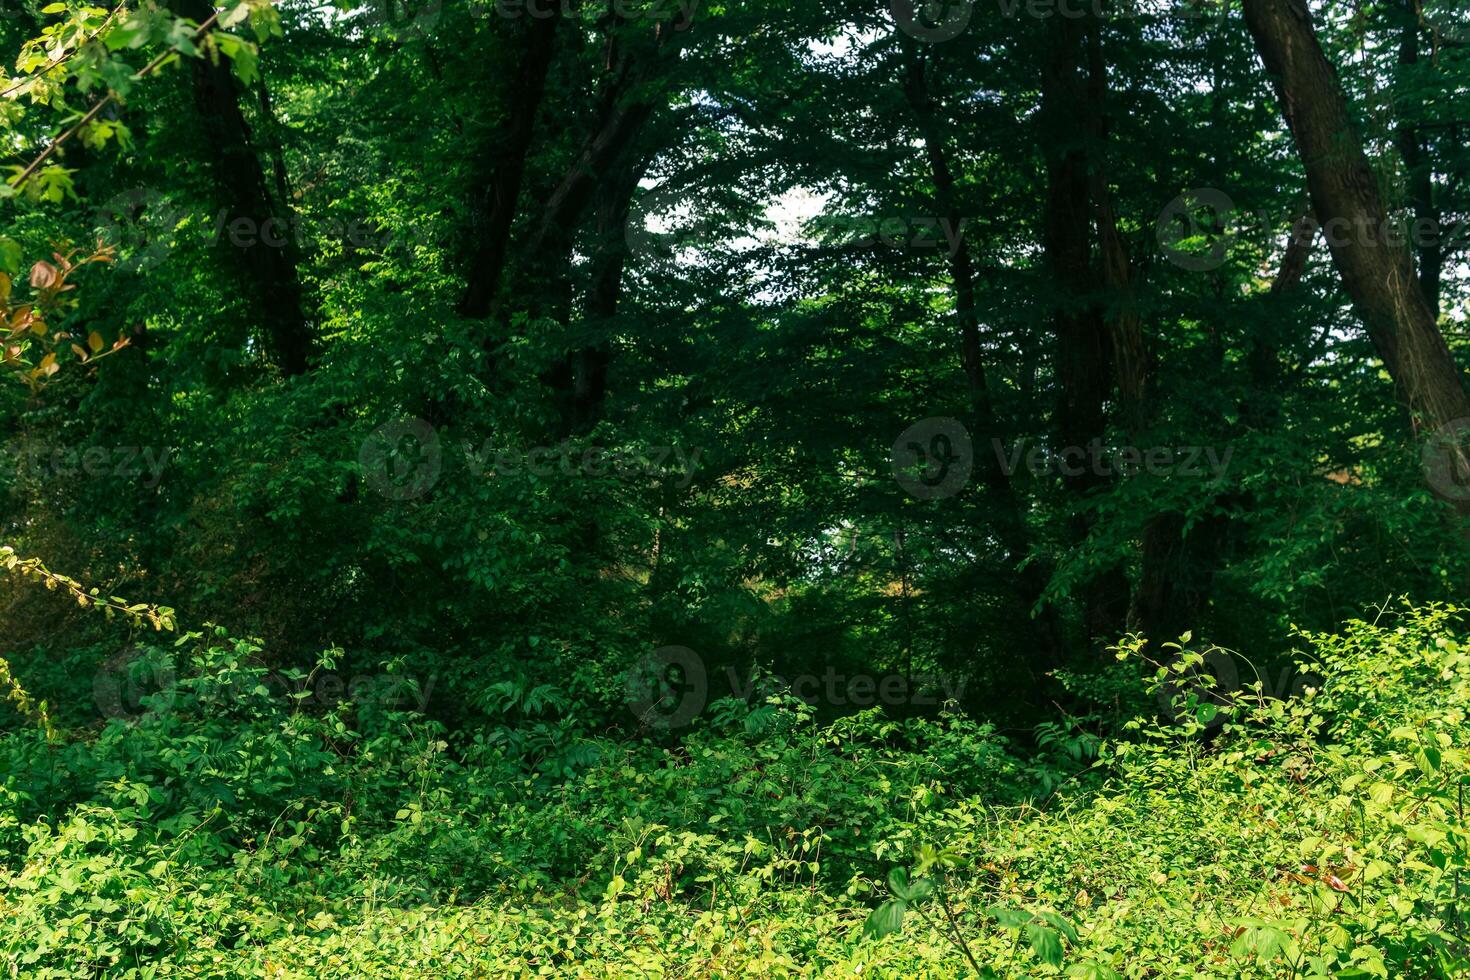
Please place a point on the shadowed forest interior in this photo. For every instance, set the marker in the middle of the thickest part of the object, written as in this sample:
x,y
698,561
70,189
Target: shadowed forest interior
x,y
681,488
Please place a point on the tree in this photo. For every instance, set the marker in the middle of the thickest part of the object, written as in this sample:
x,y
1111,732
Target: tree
x,y
1372,259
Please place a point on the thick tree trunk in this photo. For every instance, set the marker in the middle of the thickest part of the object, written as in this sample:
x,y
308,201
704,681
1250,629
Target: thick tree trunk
x,y
629,96
1084,358
501,199
273,285
1374,263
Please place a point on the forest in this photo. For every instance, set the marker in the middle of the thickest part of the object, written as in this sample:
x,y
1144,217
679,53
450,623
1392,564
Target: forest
x,y
724,488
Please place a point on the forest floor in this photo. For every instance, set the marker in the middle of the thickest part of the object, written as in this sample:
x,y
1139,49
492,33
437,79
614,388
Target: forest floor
x,y
1238,836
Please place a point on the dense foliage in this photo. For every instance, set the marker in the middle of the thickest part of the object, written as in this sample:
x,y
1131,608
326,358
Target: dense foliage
x,y
720,488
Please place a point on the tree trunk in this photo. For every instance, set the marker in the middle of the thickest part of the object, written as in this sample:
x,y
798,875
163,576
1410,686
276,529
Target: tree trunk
x,y
588,366
1072,132
269,267
501,200
1009,525
1376,269
630,95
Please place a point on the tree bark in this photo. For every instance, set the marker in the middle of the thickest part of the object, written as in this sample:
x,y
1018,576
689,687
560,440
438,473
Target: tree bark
x,y
1376,269
1085,356
587,367
630,95
501,200
270,267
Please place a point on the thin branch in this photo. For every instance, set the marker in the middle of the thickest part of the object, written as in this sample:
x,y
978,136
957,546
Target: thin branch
x,y
103,103
64,58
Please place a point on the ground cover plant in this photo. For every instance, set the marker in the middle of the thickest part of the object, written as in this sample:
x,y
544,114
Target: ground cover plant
x,y
625,488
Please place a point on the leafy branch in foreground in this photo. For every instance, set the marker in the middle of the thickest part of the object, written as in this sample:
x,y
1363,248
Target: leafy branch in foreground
x,y
137,614
24,703
99,34
1044,930
24,326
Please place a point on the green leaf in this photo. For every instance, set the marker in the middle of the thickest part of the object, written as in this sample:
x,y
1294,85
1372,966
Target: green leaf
x,y
886,919
1009,918
1047,943
1061,923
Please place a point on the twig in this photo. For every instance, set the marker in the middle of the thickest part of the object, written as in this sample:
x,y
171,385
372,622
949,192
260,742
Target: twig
x,y
57,63
103,103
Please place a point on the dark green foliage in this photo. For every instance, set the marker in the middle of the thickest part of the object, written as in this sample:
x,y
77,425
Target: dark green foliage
x,y
661,420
